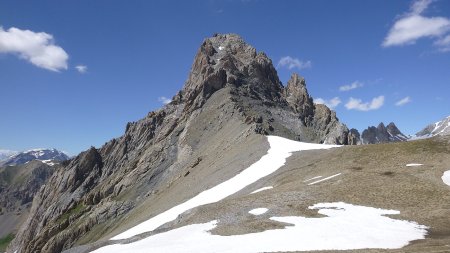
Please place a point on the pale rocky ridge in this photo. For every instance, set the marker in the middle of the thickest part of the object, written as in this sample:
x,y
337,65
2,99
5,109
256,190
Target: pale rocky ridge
x,y
231,97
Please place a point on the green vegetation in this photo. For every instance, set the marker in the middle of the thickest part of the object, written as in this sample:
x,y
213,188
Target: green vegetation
x,y
4,241
73,211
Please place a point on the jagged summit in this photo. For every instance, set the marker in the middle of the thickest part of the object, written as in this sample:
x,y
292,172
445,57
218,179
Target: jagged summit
x,y
227,60
382,134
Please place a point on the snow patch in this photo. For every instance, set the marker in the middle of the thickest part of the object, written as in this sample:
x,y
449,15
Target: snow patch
x,y
324,179
307,180
413,164
446,177
280,149
262,189
345,227
48,162
258,211
221,48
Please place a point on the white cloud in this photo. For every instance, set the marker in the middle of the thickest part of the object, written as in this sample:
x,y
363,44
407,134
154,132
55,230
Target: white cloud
x,y
164,100
419,6
403,101
443,44
352,86
291,63
413,26
81,68
357,104
332,103
37,48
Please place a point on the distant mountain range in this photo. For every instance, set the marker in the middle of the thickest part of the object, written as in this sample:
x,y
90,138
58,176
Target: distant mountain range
x,y
46,155
441,127
382,134
4,154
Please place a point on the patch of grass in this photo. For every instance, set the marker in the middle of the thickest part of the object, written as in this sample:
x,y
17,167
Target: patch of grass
x,y
73,211
5,241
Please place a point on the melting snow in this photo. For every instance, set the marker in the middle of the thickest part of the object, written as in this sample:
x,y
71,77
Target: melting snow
x,y
446,177
280,150
262,189
258,211
49,162
345,227
323,179
413,164
307,180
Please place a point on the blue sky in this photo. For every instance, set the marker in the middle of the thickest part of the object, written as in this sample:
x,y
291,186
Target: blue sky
x,y
73,73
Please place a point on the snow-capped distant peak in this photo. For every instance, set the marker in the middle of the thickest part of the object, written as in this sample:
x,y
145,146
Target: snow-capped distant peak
x,y
4,154
441,127
41,154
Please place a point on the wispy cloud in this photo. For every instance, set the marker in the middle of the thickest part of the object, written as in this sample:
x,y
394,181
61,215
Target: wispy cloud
x,y
412,26
332,103
352,86
36,47
164,100
291,63
443,44
403,101
359,105
81,68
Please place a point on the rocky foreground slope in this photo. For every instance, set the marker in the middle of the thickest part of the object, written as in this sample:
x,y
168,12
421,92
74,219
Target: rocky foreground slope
x,y
213,126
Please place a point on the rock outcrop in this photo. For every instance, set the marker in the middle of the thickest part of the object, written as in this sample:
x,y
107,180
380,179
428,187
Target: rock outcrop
x,y
232,94
382,134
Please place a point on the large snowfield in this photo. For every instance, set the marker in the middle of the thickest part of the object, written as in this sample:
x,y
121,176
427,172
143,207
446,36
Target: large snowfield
x,y
344,226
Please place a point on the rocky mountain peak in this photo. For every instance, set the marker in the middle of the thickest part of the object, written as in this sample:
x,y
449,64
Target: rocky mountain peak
x,y
232,95
441,127
41,154
226,59
298,98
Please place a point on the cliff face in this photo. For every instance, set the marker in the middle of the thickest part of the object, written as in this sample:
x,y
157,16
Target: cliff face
x,y
232,95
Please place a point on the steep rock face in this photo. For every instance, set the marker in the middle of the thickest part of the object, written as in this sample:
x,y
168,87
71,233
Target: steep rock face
x,y
382,134
354,137
232,94
298,98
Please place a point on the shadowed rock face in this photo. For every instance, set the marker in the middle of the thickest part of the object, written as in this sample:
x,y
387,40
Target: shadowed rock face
x,y
232,93
382,134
